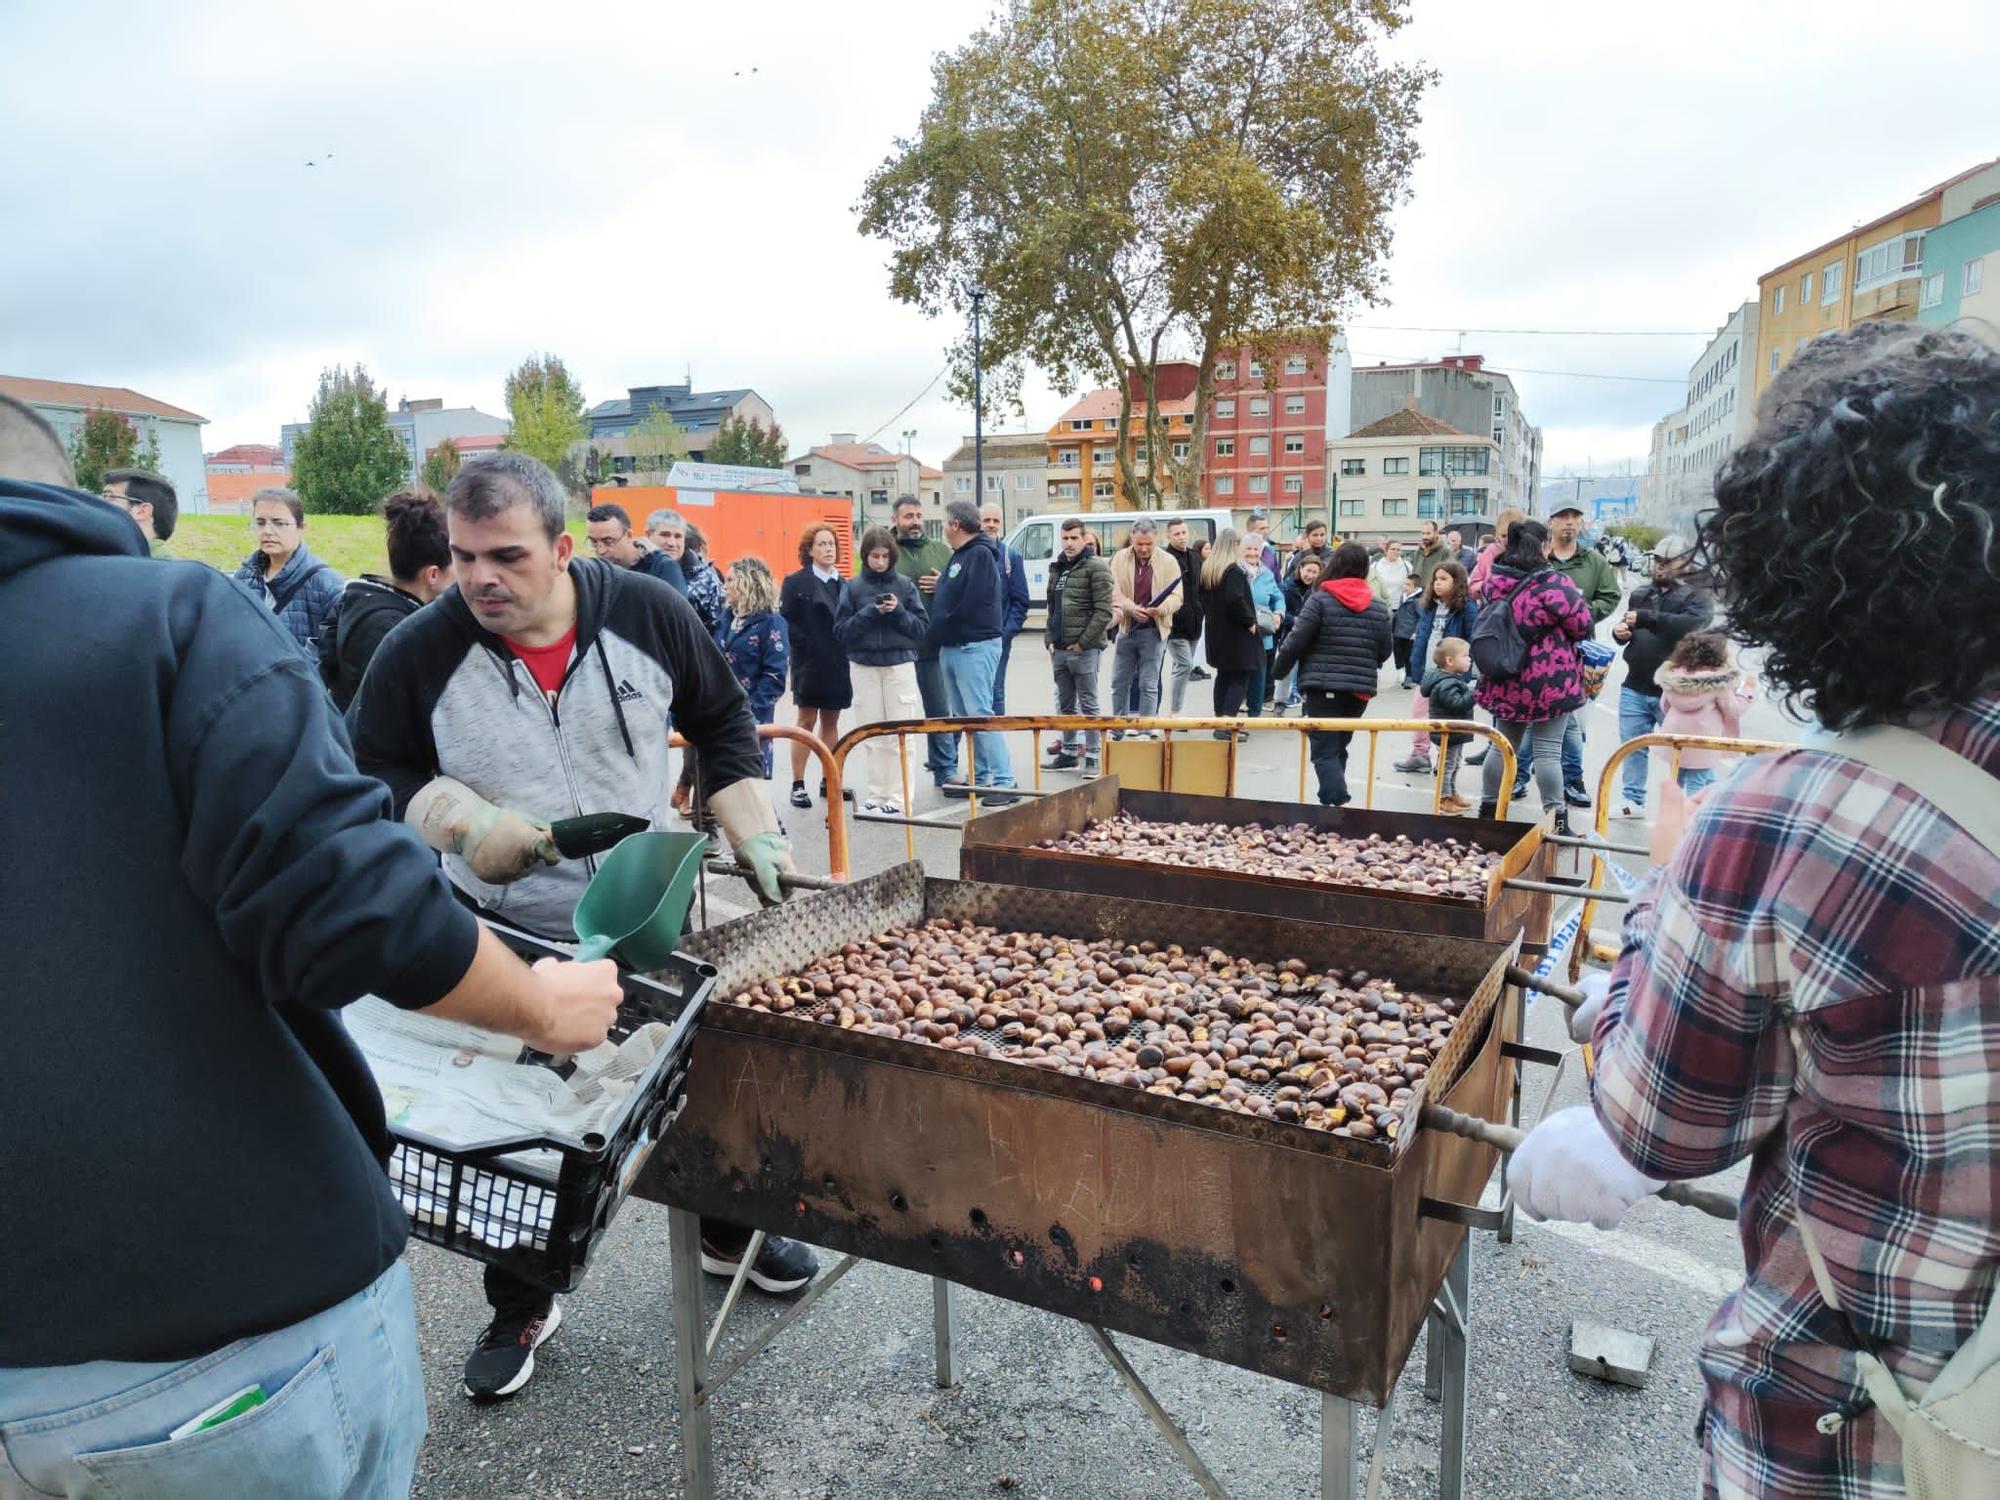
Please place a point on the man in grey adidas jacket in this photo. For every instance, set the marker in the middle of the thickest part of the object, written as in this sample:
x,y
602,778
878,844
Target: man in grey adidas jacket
x,y
543,686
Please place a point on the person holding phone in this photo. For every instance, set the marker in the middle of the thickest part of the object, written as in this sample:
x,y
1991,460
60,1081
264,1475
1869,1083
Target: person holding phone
x,y
880,624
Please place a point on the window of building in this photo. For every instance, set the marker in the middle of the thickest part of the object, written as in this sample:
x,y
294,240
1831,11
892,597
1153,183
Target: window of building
x,y
1972,277
995,483
1470,502
1395,466
1933,292
1427,506
1353,507
1225,447
1024,482
1100,489
1180,450
1395,507
1295,364
1225,484
1066,458
1499,406
1260,406
1829,281
1259,446
1499,436
1295,484
1295,442
1798,346
1778,302
1225,369
1225,408
1256,369
1260,484
1894,258
1458,459
1360,465
1066,491
1774,361
1805,289
1295,406
1100,455
961,484
1080,426
804,471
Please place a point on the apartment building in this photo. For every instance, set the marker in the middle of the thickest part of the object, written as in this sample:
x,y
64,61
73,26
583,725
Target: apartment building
x,y
1015,466
1409,467
1718,413
1469,398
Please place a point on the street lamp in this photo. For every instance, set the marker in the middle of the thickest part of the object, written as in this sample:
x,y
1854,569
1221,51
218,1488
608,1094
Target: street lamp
x,y
978,299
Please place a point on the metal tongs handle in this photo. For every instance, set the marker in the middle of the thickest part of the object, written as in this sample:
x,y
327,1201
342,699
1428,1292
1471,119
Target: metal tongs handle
x,y
790,880
1506,1138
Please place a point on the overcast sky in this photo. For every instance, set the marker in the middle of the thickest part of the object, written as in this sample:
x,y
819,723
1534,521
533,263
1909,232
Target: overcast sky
x,y
648,189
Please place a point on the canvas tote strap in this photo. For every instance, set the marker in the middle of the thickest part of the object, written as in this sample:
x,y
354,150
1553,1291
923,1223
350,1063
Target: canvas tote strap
x,y
1964,792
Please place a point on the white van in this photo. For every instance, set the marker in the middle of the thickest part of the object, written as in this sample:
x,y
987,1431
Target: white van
x,y
1039,538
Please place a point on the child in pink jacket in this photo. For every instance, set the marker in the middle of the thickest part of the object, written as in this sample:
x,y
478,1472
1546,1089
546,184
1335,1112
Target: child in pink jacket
x,y
1705,695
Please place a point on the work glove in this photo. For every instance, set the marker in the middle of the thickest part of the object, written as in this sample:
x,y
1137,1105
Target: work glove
x,y
1568,1168
751,827
1583,1020
497,844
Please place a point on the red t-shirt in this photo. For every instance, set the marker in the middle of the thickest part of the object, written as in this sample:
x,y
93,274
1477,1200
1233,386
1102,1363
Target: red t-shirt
x,y
546,664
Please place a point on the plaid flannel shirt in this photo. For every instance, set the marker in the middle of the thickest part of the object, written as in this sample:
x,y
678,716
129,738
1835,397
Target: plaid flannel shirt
x,y
1812,886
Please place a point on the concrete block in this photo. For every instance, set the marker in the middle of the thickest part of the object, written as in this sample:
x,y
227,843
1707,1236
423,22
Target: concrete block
x,y
1611,1354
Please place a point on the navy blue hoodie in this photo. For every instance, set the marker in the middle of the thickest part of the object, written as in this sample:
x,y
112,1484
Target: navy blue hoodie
x,y
969,602
199,879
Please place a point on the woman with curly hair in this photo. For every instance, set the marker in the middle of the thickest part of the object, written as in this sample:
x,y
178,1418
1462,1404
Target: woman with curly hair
x,y
810,602
1812,983
755,641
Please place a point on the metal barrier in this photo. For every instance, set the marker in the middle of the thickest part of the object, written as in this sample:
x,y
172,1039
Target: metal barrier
x,y
1166,728
1606,781
837,861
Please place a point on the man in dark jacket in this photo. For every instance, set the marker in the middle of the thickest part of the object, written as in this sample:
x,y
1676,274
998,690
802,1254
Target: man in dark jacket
x,y
1338,643
540,688
194,1186
1184,634
1014,613
1671,606
968,608
922,561
1079,614
370,607
149,500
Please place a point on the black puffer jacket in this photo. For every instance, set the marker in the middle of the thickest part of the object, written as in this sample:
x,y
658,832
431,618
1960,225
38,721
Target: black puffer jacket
x,y
1339,641
871,638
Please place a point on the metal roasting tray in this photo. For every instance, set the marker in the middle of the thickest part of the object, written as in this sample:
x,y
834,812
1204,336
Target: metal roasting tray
x,y
999,847
1293,1252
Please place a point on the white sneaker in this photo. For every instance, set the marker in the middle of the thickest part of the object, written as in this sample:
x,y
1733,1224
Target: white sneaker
x,y
1630,809
889,809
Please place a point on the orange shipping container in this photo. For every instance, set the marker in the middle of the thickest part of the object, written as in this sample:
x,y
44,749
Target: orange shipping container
x,y
742,523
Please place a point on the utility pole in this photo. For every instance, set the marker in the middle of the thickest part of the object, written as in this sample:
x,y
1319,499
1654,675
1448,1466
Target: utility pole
x,y
978,296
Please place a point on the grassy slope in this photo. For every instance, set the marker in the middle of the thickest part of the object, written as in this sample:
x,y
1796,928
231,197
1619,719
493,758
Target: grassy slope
x,y
351,545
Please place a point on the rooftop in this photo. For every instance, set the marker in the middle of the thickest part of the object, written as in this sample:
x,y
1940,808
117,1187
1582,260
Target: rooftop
x,y
250,453
1408,423
1004,445
1095,406
678,402
121,399
1880,219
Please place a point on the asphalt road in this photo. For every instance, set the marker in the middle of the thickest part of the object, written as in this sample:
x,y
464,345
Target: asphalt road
x,y
844,1405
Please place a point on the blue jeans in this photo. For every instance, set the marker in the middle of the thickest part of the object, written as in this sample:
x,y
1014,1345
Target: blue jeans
x,y
344,1414
941,750
968,686
1695,781
1572,755
1000,675
1637,714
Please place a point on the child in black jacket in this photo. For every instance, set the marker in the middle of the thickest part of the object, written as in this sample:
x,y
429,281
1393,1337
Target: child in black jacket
x,y
1408,613
1448,691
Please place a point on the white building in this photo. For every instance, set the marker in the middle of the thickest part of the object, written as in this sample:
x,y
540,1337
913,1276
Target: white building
x,y
1016,469
1718,413
63,405
871,476
1406,468
1460,391
420,426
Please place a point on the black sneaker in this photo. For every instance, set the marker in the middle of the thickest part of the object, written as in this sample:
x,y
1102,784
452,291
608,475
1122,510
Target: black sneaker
x,y
1063,762
504,1358
781,1266
1478,757
1199,674
997,798
800,798
1575,795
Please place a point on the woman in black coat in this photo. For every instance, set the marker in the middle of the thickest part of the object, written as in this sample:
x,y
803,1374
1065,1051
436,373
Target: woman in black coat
x,y
1229,625
809,602
1338,643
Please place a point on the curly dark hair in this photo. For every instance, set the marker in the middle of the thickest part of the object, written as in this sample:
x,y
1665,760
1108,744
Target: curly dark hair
x,y
1853,533
1703,651
1455,570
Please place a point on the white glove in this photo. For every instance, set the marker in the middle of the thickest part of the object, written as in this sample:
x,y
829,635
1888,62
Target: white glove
x,y
497,844
1583,1020
1568,1168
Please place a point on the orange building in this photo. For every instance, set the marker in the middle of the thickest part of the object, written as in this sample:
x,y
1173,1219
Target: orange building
x,y
1266,433
1873,272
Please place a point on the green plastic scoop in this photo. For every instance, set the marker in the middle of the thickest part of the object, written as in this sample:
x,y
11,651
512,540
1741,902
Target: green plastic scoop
x,y
636,905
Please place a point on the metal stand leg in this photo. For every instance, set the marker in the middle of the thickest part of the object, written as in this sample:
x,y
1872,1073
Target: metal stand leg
x,y
1453,1296
1339,1449
690,1354
1506,1233
1434,1357
1149,1403
944,1310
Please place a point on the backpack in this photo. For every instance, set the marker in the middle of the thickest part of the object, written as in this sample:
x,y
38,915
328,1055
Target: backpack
x,y
1499,648
328,645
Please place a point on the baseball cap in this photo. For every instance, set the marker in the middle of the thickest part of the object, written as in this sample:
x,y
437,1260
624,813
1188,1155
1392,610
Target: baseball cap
x,y
1566,510
1667,548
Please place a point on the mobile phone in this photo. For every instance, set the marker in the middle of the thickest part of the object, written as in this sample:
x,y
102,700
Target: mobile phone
x,y
885,598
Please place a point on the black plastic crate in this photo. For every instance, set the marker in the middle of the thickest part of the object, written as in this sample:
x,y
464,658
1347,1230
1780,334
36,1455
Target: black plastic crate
x,y
469,1199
